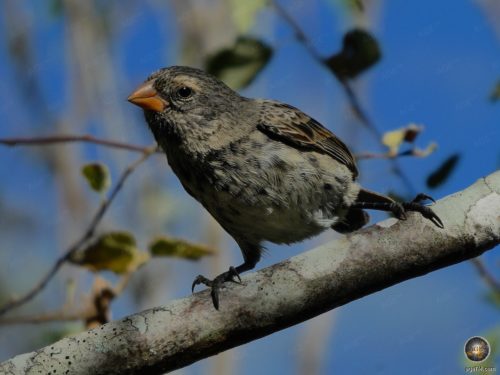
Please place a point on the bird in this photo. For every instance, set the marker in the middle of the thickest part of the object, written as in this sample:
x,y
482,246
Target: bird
x,y
265,170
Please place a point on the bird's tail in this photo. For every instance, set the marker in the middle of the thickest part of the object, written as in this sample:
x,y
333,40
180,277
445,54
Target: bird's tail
x,y
369,196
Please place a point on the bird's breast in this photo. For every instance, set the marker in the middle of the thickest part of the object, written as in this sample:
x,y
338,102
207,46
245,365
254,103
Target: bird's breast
x,y
264,191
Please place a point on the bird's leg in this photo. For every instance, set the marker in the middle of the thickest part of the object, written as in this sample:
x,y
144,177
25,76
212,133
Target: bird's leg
x,y
374,201
353,220
251,254
417,206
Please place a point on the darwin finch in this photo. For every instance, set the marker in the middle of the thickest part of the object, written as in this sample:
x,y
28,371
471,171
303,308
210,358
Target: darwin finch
x,y
264,170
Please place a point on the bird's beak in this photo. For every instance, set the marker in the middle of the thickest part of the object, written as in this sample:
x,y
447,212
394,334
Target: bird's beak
x,y
146,97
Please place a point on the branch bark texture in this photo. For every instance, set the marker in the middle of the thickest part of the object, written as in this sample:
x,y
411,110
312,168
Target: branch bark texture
x,y
189,329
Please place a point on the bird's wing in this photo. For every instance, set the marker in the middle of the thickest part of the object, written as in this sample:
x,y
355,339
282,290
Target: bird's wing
x,y
291,126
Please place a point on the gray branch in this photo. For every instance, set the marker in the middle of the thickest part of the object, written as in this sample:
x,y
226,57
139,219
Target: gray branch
x,y
186,330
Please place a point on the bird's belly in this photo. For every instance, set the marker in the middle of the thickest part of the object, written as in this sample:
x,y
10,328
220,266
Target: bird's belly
x,y
263,220
284,225
278,195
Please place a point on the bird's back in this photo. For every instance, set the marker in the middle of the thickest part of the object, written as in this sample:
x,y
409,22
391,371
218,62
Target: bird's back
x,y
264,189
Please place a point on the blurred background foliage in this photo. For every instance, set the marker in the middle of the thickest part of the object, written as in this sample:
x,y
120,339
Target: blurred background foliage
x,y
368,70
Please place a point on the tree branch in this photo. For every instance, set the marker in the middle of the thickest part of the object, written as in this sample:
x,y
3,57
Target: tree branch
x,y
187,330
488,278
67,138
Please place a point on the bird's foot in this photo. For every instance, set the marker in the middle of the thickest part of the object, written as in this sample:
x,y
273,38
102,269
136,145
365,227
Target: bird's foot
x,y
416,205
216,284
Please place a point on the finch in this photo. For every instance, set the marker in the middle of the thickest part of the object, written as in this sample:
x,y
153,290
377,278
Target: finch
x,y
264,170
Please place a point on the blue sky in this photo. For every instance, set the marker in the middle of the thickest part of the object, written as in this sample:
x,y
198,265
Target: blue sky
x,y
440,63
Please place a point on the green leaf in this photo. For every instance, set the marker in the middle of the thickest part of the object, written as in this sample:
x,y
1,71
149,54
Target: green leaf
x,y
244,13
356,5
352,5
97,175
56,7
238,65
113,251
495,93
172,247
440,175
360,51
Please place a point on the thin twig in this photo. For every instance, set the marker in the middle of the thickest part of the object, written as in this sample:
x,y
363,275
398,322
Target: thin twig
x,y
122,283
66,138
299,33
488,278
66,314
353,99
382,155
416,152
54,316
86,237
357,109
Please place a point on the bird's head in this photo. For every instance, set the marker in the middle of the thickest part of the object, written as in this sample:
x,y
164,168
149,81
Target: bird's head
x,y
184,99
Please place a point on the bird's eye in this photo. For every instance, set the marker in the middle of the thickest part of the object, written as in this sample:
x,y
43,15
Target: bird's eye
x,y
185,92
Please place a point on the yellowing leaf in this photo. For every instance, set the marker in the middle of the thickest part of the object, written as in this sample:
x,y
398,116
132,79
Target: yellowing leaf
x,y
239,64
139,258
244,13
426,151
166,246
97,175
394,139
113,251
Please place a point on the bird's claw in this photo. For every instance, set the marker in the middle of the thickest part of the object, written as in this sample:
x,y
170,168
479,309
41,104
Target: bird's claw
x,y
200,279
423,197
398,211
232,273
425,211
429,214
216,283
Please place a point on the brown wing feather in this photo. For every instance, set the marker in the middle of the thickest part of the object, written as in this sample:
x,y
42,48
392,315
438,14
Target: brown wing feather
x,y
293,127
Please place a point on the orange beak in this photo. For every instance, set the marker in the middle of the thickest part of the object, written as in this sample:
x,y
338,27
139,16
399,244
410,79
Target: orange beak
x,y
146,97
